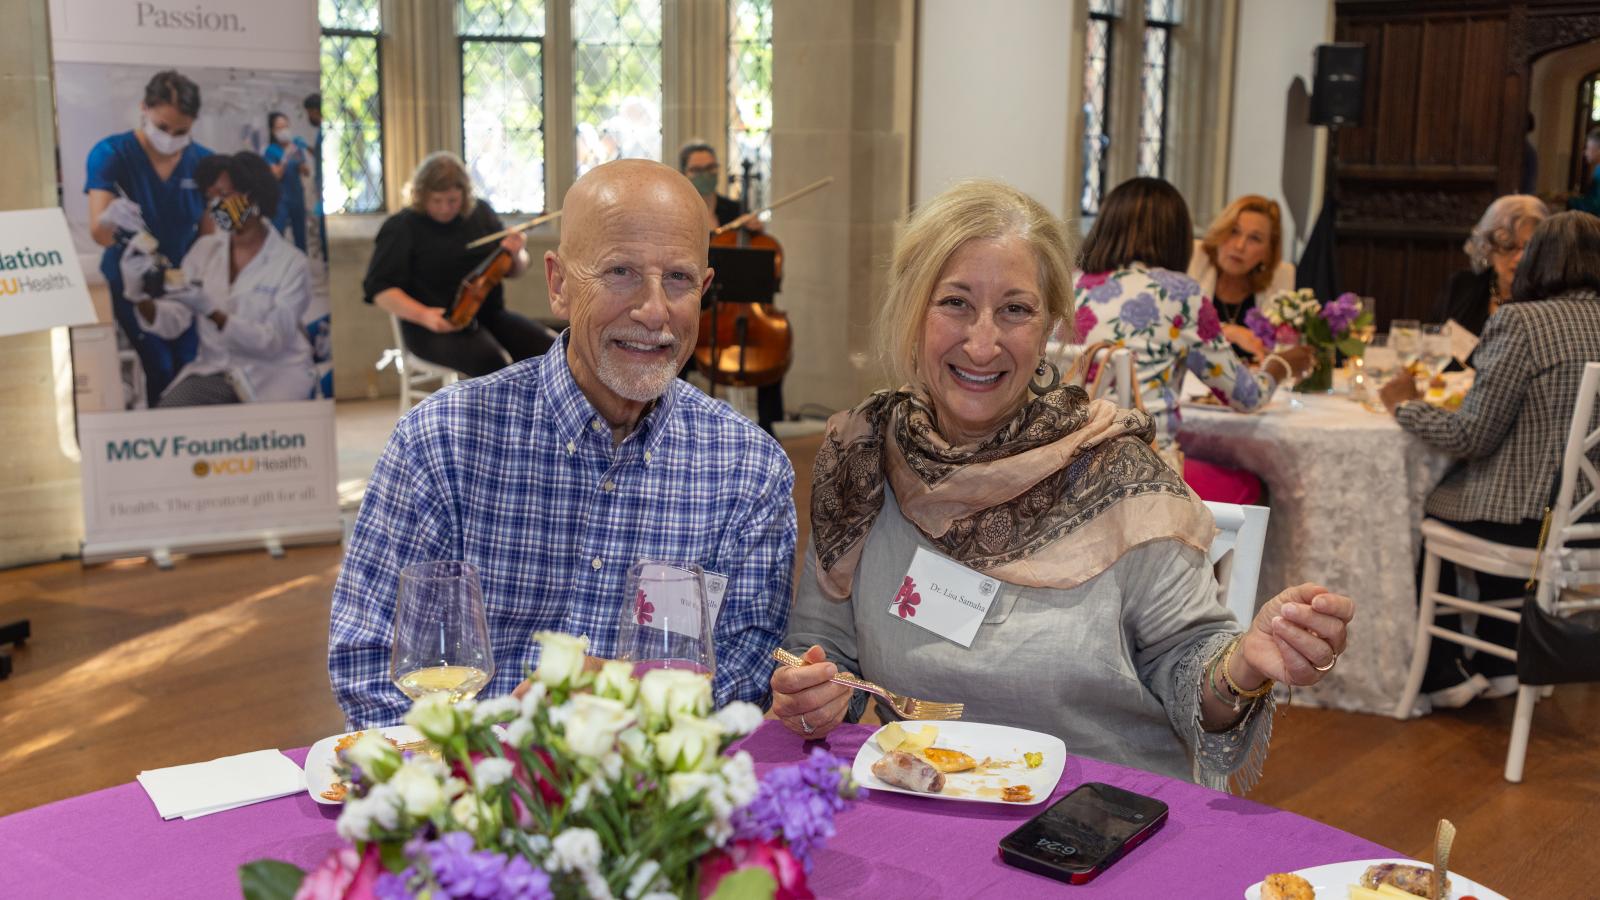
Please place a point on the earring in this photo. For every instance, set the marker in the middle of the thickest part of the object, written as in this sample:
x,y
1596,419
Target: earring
x,y
1055,378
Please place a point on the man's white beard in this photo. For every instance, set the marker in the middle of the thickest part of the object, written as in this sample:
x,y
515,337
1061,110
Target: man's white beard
x,y
639,382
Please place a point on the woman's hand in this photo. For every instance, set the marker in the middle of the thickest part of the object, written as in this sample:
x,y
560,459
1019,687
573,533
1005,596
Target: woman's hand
x,y
1295,639
432,318
514,242
804,692
1400,388
1245,339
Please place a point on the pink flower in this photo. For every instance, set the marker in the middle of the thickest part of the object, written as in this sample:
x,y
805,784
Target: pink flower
x,y
344,875
1085,320
642,608
749,854
1286,336
1206,321
907,599
1092,279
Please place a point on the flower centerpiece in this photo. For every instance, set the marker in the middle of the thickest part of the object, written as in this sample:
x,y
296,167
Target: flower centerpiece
x,y
1296,317
590,785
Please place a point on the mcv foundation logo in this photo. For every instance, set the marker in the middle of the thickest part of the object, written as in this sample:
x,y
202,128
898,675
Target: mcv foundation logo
x,y
28,271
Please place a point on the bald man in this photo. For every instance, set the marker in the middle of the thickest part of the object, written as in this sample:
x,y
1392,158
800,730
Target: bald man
x,y
555,475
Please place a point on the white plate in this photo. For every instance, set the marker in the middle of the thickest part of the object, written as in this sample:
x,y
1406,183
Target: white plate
x,y
1333,879
978,740
319,759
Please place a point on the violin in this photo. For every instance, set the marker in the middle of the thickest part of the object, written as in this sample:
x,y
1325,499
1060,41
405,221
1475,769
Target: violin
x,y
746,341
479,283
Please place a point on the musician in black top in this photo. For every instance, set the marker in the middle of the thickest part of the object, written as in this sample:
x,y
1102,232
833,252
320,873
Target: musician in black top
x,y
419,261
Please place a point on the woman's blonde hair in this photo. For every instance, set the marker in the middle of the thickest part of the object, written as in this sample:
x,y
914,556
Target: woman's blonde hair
x,y
1223,225
969,210
438,172
1497,230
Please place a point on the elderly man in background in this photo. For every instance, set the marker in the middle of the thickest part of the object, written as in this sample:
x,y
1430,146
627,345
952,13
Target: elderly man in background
x,y
555,475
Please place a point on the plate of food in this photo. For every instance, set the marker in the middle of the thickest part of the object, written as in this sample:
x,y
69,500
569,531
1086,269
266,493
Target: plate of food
x,y
322,782
968,761
1365,879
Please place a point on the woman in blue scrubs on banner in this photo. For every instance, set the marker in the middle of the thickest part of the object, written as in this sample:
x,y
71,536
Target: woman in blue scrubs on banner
x,y
287,155
141,186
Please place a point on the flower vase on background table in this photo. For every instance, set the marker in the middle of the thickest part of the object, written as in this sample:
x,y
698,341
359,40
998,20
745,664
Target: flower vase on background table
x,y
1296,317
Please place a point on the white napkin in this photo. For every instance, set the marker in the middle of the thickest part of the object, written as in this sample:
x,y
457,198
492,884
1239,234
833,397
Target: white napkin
x,y
1462,341
200,789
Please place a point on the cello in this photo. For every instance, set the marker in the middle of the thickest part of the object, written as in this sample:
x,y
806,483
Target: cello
x,y
746,341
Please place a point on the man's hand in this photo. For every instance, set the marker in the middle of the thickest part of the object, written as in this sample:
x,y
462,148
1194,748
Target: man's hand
x,y
1401,388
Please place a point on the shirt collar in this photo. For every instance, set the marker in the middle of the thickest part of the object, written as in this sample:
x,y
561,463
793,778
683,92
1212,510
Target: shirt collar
x,y
573,417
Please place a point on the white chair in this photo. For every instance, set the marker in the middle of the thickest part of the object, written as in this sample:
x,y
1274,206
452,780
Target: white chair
x,y
417,375
1236,554
1116,380
1559,567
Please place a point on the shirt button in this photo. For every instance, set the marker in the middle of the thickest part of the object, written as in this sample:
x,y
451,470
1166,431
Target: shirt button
x,y
571,448
647,456
610,485
595,424
596,563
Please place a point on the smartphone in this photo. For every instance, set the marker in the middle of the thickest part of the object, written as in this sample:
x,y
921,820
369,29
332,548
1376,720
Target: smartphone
x,y
1083,833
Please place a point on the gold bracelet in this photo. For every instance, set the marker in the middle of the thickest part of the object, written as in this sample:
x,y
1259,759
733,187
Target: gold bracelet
x,y
1227,657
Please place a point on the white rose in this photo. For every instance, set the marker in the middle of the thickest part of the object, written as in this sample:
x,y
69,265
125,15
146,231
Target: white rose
x,y
738,717
466,812
374,756
421,793
519,733
490,772
739,773
690,745
560,658
381,807
682,786
635,747
500,709
672,694
435,717
532,699
575,850
617,682
593,724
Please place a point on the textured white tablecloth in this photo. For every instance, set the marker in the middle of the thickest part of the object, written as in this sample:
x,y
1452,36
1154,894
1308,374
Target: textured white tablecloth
x,y
1347,488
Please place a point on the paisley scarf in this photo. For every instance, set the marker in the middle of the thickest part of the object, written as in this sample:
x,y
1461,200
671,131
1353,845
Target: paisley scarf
x,y
1054,498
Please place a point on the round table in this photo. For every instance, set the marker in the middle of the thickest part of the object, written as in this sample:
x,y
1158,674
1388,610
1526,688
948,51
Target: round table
x,y
1347,487
112,843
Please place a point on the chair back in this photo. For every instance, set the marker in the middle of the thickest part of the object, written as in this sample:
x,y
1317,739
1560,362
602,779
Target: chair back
x,y
1236,553
1577,495
417,375
1113,370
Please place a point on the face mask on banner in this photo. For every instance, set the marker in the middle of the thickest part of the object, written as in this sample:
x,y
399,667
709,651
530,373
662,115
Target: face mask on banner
x,y
704,182
233,211
165,144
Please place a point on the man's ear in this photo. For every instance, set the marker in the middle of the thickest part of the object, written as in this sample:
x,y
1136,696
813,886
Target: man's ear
x,y
555,277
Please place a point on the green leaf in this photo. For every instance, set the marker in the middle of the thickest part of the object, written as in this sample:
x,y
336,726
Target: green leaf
x,y
269,879
747,884
1317,331
1351,347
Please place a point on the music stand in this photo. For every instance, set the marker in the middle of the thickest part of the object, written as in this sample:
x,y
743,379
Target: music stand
x,y
746,273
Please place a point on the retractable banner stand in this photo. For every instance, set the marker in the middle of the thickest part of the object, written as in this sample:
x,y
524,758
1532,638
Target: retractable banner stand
x,y
189,183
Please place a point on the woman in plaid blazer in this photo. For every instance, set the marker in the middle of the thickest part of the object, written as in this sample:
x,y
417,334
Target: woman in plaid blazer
x,y
1511,429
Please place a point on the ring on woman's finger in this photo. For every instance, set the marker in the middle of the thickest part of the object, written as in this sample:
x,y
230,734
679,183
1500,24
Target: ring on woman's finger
x,y
808,729
1329,667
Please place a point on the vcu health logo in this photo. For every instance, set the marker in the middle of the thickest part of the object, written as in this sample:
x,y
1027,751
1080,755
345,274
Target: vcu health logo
x,y
26,260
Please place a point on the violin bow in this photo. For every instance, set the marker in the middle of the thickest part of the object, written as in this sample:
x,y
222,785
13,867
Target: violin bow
x,y
740,222
531,223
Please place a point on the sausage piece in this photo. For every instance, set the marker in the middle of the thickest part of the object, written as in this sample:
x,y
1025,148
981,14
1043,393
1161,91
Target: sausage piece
x,y
910,772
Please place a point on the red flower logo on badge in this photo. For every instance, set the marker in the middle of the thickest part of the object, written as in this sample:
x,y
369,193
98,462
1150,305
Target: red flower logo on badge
x,y
642,608
905,602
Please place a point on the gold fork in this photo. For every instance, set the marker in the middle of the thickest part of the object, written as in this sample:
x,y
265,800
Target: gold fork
x,y
907,707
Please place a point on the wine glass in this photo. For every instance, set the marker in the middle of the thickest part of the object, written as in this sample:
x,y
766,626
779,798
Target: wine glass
x,y
1379,364
666,622
441,636
1405,336
1289,379
1369,309
1436,354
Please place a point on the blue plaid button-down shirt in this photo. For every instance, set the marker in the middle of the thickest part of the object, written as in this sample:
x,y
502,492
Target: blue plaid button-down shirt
x,y
516,473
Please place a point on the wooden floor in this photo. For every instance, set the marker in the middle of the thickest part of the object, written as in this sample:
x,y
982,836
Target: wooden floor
x,y
133,668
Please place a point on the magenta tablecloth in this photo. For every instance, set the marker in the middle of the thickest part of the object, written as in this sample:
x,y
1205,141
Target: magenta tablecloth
x,y
113,844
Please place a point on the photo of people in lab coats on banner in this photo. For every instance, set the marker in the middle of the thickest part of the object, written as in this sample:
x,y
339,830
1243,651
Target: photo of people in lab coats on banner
x,y
193,194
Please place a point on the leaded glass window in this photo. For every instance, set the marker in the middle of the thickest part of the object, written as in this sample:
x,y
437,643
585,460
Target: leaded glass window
x,y
1160,18
502,100
352,106
616,73
750,93
1097,59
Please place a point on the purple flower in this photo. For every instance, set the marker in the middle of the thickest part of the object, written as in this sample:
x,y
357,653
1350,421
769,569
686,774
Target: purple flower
x,y
1105,292
1177,285
1085,321
393,887
1206,322
1260,326
1198,363
796,803
1245,389
1141,312
1341,312
462,871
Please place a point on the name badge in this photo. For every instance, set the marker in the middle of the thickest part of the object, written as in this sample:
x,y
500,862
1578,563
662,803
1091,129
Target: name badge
x,y
944,596
671,606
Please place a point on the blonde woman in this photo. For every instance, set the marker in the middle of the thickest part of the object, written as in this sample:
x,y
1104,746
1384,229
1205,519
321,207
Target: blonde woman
x,y
1240,261
1103,627
418,263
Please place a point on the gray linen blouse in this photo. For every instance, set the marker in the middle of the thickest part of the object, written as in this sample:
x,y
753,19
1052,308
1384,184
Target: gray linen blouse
x,y
1112,667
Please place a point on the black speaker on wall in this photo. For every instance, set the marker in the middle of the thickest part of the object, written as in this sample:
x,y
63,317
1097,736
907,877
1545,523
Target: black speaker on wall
x,y
1339,84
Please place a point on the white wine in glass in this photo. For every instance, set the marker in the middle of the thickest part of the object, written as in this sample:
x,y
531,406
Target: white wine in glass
x,y
1405,336
1436,355
441,635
